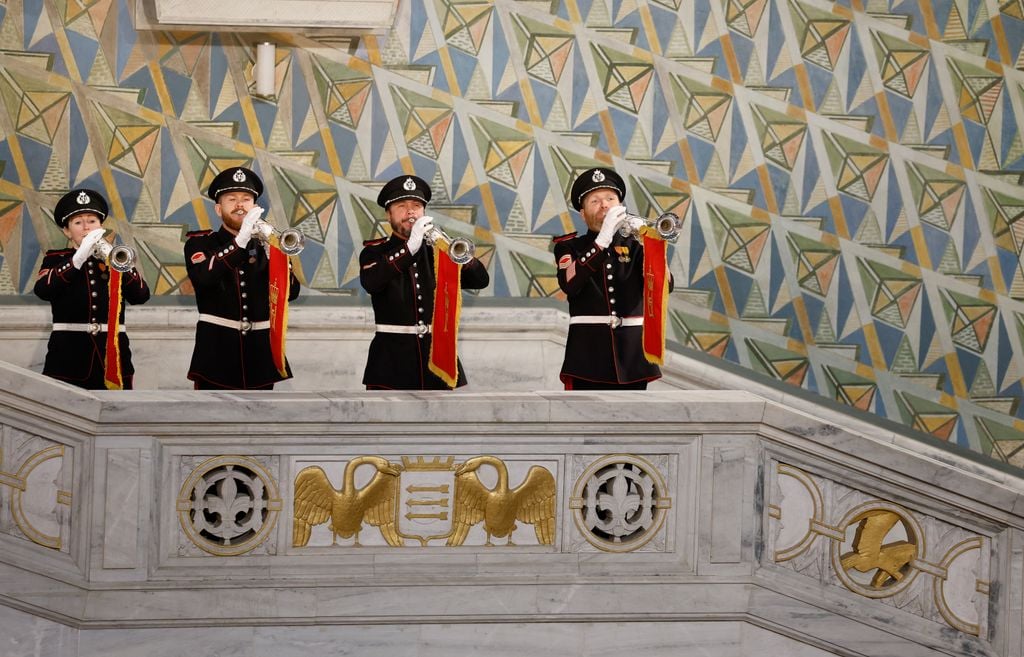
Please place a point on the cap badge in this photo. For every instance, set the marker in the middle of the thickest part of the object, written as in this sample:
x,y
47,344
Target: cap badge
x,y
239,176
598,176
82,198
409,185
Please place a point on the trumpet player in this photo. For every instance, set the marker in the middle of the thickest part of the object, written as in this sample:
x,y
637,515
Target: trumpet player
x,y
601,273
233,273
399,274
88,345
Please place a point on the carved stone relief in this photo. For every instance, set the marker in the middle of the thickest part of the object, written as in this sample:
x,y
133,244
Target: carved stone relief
x,y
419,502
619,503
36,480
227,505
878,549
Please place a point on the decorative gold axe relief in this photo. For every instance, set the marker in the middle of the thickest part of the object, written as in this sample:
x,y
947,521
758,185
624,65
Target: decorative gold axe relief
x,y
880,549
425,501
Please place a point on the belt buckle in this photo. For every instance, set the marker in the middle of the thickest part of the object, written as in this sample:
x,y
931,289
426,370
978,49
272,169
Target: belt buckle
x,y
615,321
94,328
244,326
422,329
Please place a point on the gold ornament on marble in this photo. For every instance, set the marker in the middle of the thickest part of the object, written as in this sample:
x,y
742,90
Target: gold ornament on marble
x,y
878,549
888,560
33,478
620,503
532,502
960,561
317,502
886,543
228,505
423,500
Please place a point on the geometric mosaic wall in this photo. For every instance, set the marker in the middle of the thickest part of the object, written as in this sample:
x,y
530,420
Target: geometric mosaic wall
x,y
849,172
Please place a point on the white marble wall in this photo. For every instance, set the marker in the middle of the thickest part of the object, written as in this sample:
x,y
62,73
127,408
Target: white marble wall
x,y
24,635
501,348
708,580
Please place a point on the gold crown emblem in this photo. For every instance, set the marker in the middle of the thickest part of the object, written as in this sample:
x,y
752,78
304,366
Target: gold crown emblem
x,y
421,463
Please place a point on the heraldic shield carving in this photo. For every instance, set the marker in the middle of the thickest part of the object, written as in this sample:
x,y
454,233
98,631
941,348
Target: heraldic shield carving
x,y
425,502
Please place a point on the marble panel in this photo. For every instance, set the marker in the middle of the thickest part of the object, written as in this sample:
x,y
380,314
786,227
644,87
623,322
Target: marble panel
x,y
32,637
25,635
727,508
121,509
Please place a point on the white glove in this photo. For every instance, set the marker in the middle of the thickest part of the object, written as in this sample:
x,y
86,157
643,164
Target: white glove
x,y
422,226
635,222
612,220
248,224
87,246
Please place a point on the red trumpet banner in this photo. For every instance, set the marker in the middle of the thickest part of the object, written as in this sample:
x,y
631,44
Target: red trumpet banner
x,y
280,283
112,376
444,357
655,296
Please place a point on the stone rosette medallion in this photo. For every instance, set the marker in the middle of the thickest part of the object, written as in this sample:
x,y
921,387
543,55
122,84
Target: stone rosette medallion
x,y
619,503
228,505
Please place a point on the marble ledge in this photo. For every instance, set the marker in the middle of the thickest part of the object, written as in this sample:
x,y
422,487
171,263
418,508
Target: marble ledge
x,y
412,602
395,408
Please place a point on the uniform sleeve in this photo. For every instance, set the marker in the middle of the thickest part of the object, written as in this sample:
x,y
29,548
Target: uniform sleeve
x,y
293,284
474,276
134,288
207,262
379,264
575,267
56,275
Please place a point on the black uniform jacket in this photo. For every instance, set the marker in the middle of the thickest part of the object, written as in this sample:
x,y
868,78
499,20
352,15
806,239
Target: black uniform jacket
x,y
80,296
401,287
232,283
603,282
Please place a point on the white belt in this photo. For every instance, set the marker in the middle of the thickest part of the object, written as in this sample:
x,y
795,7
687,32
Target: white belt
x,y
613,321
92,328
243,326
418,329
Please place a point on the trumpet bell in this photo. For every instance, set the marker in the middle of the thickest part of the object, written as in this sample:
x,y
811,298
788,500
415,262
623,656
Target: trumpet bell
x,y
119,258
292,241
668,226
122,259
461,250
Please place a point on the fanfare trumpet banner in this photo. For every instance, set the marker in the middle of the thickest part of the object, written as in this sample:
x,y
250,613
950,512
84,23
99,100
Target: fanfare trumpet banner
x,y
444,357
280,284
655,235
112,377
655,294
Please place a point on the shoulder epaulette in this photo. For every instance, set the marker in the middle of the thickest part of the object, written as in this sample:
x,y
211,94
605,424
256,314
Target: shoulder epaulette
x,y
59,252
379,240
562,238
197,233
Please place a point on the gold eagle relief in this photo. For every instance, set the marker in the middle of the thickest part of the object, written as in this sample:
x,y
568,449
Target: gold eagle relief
x,y
425,502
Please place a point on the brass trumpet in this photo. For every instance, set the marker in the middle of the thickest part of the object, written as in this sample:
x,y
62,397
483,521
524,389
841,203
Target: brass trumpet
x,y
119,258
292,240
668,226
460,250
